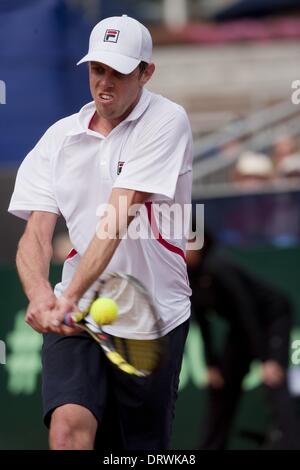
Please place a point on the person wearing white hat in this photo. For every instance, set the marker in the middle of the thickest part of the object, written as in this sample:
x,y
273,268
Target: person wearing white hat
x,y
121,42
253,169
127,143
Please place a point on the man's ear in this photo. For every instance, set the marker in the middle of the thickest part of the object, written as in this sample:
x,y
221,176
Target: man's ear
x,y
147,74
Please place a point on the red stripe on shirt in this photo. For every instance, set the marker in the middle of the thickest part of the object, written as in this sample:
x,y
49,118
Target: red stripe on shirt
x,y
72,253
158,235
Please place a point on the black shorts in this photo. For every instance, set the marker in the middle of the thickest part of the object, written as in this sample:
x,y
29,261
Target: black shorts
x,y
134,413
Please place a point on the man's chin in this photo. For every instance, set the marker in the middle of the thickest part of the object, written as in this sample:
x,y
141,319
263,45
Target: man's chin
x,y
105,114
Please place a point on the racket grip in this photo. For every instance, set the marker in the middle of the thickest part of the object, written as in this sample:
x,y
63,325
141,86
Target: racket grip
x,y
73,317
68,319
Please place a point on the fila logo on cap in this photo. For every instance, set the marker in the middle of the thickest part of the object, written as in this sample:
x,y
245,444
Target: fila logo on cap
x,y
111,35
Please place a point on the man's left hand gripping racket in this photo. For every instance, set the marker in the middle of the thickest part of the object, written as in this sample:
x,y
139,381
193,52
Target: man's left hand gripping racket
x,y
143,351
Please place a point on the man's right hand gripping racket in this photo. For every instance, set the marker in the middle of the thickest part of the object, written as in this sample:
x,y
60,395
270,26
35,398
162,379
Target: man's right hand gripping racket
x,y
133,341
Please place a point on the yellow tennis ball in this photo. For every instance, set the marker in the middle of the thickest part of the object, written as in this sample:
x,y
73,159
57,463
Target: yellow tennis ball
x,y
104,311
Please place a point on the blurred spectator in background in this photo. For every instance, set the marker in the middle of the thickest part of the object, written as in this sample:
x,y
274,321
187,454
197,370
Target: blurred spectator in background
x,y
286,158
258,317
284,146
290,167
252,170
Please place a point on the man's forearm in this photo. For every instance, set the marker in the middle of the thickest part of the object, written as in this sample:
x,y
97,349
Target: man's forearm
x,y
112,227
33,262
92,264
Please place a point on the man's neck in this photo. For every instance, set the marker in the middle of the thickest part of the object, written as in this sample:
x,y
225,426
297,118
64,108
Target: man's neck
x,y
103,126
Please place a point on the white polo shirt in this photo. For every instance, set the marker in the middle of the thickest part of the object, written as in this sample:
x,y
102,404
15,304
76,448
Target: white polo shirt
x,y
72,170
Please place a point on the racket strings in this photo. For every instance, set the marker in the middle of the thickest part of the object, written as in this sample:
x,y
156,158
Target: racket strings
x,y
142,354
132,301
122,292
137,314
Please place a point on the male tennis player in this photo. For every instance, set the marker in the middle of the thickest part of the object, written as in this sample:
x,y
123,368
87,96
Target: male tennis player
x,y
127,144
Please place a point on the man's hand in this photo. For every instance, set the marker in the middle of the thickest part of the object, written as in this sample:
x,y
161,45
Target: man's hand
x,y
62,306
46,313
214,377
272,373
38,311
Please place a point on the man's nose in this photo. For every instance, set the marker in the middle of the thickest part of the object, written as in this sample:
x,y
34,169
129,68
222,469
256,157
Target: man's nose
x,y
106,80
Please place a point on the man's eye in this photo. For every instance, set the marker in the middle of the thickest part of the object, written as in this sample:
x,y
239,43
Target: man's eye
x,y
119,76
97,70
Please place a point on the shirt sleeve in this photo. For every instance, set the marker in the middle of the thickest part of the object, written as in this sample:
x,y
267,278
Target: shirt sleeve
x,y
33,187
161,154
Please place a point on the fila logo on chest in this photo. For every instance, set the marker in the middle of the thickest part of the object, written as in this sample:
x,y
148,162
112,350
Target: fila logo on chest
x,y
120,166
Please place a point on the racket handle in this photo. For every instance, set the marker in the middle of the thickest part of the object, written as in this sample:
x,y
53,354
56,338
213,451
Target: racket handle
x,y
74,317
68,319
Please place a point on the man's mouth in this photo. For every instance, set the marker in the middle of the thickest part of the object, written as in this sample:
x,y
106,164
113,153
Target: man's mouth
x,y
105,97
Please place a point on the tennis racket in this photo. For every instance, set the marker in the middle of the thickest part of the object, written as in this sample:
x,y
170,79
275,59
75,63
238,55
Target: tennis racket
x,y
133,342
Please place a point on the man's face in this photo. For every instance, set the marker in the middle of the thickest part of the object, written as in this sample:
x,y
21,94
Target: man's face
x,y
114,93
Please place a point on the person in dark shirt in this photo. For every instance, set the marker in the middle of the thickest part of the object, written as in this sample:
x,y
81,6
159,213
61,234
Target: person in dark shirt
x,y
258,317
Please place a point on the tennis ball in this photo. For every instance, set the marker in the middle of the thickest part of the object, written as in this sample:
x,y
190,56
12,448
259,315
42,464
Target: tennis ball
x,y
104,311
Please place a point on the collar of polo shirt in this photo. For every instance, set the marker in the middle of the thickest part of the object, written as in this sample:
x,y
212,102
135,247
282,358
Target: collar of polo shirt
x,y
86,113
